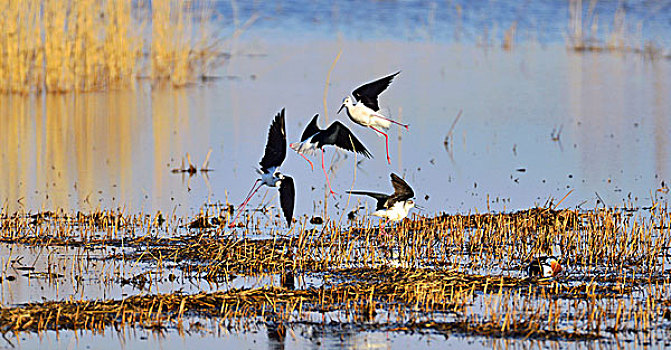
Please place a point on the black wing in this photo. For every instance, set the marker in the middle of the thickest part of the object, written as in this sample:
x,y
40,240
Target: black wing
x,y
535,267
339,135
276,147
369,92
287,196
311,129
402,191
381,198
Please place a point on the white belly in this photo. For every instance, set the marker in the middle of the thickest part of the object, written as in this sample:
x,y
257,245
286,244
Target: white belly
x,y
304,147
365,116
395,213
547,270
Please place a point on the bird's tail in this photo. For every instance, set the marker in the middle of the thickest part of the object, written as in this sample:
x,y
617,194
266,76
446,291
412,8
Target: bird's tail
x,y
385,122
303,148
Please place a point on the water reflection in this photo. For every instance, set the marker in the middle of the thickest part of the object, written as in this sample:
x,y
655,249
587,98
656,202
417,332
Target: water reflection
x,y
660,110
304,337
90,151
193,337
620,122
117,149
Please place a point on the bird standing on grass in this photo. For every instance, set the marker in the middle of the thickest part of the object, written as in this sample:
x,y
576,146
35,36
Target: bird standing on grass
x,y
336,134
366,111
395,206
276,151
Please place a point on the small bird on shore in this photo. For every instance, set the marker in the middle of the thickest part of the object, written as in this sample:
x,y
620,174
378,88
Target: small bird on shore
x,y
544,266
336,134
275,152
366,111
395,206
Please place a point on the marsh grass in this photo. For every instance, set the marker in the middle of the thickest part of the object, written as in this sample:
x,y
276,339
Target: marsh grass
x,y
445,274
90,45
394,299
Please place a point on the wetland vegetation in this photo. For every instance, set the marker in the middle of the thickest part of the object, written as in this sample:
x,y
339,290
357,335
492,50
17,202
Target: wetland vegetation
x,y
531,134
448,274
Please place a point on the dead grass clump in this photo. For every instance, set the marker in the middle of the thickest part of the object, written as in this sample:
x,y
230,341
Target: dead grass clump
x,y
147,310
534,217
522,329
217,258
424,281
98,227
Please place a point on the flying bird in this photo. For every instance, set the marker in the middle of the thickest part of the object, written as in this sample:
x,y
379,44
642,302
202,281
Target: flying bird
x,y
336,134
395,206
544,266
366,111
275,152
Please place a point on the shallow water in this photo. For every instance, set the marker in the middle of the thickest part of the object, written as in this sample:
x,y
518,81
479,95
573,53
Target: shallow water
x,y
538,122
48,273
482,22
117,149
299,337
36,274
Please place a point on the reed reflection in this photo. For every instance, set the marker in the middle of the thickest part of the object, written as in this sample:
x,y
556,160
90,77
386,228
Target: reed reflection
x,y
660,110
89,151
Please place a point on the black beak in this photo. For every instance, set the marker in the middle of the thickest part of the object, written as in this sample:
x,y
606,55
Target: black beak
x,y
341,107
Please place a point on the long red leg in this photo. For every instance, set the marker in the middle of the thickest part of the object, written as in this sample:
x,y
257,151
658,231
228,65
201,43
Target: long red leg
x,y
251,194
406,126
382,225
306,158
386,142
327,176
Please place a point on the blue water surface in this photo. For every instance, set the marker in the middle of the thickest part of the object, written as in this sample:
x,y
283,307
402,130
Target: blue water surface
x,y
479,21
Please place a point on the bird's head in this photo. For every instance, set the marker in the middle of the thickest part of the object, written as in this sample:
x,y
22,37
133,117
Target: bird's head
x,y
554,265
409,204
347,101
295,146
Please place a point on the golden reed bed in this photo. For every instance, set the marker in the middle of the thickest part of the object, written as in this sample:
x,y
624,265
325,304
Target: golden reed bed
x,y
86,45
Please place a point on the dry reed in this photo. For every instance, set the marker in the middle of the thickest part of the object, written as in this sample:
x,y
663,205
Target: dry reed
x,y
444,274
88,45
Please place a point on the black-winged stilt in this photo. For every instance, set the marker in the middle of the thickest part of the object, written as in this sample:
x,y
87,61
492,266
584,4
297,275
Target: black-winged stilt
x,y
336,134
366,111
276,151
544,266
395,206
